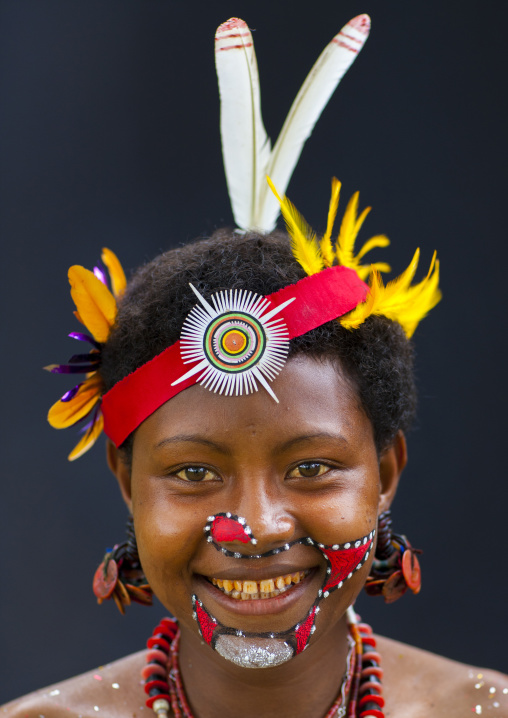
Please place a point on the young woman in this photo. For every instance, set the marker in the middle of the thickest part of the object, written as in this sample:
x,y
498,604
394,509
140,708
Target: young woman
x,y
255,393
321,464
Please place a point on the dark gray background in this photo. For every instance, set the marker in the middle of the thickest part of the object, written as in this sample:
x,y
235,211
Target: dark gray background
x,y
109,136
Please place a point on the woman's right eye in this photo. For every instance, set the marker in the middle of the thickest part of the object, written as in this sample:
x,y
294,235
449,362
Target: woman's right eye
x,y
196,473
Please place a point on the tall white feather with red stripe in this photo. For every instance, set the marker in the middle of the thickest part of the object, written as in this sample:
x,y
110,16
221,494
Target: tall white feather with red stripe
x,y
246,148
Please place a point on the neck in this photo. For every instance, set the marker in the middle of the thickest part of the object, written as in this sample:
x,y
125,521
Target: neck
x,y
217,688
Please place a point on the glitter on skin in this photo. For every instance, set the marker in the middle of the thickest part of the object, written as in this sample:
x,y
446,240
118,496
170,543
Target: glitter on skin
x,y
257,653
505,690
115,685
496,704
492,690
97,677
478,710
96,708
54,693
479,685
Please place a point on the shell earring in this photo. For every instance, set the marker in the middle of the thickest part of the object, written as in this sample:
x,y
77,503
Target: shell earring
x,y
120,575
395,567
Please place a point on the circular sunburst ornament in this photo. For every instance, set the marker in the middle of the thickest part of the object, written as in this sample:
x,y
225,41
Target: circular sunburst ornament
x,y
236,342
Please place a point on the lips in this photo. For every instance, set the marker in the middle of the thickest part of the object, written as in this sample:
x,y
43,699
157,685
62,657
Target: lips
x,y
247,606
258,590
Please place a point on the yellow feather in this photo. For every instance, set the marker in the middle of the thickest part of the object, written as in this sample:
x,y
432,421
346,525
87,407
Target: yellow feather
x,y
395,290
351,225
66,413
422,298
360,220
95,304
380,240
366,308
326,241
399,301
303,239
116,273
88,439
364,270
346,238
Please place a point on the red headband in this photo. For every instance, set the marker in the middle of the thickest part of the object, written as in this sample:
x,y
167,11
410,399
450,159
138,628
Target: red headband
x,y
319,298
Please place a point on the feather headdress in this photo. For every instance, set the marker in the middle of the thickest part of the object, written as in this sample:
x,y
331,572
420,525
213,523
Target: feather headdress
x,y
243,338
399,300
246,148
95,308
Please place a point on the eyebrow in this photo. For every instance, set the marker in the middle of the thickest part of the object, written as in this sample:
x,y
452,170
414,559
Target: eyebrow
x,y
306,438
193,439
197,439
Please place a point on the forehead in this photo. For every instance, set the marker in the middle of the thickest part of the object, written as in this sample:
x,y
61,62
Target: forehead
x,y
314,397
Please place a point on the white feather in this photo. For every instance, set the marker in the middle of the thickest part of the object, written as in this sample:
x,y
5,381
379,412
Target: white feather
x,y
245,144
311,100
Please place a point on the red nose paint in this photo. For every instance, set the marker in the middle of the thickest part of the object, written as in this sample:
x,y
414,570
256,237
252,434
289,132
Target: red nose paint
x,y
224,530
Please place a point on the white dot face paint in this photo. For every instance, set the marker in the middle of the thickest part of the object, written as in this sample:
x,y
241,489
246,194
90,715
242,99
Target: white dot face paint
x,y
264,650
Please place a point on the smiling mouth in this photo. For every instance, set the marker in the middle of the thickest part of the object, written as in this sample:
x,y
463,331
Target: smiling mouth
x,y
258,590
248,596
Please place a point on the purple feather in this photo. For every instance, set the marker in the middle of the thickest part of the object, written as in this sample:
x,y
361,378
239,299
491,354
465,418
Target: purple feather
x,y
89,425
100,274
71,368
84,338
71,393
91,358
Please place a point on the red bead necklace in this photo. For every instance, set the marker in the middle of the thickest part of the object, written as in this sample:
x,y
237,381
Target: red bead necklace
x,y
362,683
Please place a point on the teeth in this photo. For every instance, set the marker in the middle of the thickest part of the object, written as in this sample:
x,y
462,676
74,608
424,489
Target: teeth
x,y
252,590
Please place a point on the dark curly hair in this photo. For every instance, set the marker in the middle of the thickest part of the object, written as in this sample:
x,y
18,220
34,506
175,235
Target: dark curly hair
x,y
377,358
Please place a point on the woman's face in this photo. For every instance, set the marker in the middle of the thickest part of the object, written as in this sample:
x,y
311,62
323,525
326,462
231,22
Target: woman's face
x,y
305,467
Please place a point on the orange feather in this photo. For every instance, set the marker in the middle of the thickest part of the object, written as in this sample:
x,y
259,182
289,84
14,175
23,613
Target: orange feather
x,y
95,304
66,413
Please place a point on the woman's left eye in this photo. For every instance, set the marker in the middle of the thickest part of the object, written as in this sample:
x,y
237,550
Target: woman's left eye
x,y
308,470
196,473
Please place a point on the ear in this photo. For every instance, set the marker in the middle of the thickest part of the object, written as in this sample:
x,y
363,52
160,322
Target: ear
x,y
121,470
391,464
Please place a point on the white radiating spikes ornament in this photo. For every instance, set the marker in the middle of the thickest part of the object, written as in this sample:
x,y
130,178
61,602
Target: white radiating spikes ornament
x,y
235,342
246,147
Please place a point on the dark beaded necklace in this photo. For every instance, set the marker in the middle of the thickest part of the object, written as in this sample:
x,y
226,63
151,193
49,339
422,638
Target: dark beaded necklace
x,y
362,683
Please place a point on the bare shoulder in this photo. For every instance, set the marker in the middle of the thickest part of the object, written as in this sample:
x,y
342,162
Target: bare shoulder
x,y
418,683
110,691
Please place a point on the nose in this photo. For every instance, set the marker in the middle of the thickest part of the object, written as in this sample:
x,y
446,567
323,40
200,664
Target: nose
x,y
258,524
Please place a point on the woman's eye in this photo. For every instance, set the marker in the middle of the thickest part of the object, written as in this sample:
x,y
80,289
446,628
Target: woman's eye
x,y
309,470
196,473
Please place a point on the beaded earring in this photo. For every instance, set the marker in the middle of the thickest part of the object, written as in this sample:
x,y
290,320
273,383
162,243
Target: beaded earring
x,y
395,567
120,575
